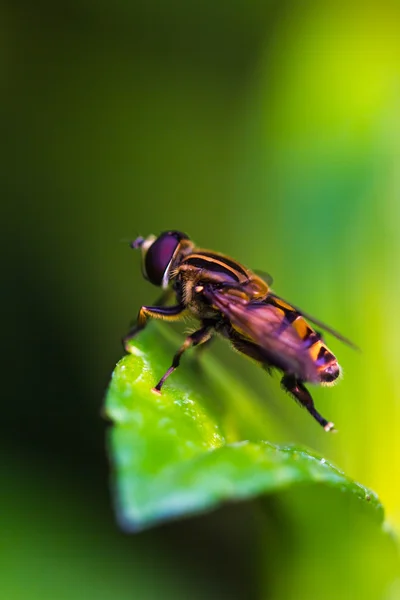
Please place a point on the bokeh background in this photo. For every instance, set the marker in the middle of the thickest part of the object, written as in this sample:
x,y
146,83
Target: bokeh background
x,y
266,130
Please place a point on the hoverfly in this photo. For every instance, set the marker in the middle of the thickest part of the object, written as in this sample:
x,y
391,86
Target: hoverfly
x,y
238,304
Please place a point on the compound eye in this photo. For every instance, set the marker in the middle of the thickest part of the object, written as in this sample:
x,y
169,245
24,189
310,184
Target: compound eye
x,y
159,256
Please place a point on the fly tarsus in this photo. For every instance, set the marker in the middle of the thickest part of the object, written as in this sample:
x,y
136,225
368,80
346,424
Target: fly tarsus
x,y
201,336
295,388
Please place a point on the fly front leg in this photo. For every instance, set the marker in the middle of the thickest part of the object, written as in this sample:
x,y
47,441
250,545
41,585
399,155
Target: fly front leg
x,y
162,300
296,389
195,339
168,313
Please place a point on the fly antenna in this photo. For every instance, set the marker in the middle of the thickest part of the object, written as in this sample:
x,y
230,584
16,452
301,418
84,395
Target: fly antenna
x,y
137,243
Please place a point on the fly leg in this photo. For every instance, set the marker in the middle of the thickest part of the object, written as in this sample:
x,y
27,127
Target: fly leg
x,y
195,339
168,313
162,300
204,345
295,388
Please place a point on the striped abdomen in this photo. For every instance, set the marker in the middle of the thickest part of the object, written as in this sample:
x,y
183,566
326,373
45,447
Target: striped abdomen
x,y
325,362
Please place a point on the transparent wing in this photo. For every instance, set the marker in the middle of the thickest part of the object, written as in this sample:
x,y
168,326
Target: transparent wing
x,y
320,324
261,324
269,280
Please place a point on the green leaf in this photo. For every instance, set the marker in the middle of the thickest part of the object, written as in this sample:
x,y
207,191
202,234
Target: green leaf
x,y
200,443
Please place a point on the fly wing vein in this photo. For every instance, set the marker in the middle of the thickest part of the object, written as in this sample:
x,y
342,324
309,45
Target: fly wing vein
x,y
260,323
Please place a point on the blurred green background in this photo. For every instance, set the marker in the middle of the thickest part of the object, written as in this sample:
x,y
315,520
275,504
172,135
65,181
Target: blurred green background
x,y
266,130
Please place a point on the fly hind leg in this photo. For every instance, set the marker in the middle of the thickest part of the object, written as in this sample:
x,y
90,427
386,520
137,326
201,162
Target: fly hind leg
x,y
295,388
195,339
